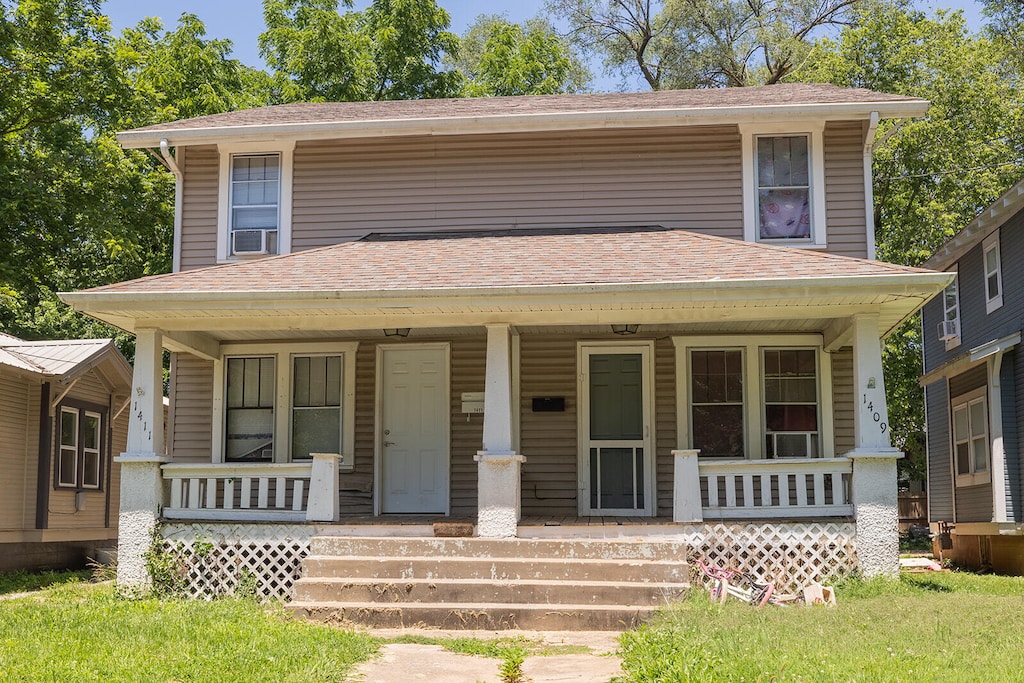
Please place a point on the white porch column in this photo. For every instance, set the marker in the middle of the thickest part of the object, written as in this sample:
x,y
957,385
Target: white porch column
x,y
498,474
874,459
324,483
141,481
686,505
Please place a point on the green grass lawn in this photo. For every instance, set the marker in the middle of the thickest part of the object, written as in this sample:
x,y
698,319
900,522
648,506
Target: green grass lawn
x,y
924,627
84,632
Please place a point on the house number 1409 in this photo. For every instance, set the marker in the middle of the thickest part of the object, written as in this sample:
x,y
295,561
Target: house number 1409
x,y
870,405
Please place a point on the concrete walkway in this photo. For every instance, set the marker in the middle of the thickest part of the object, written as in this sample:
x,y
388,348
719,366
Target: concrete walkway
x,y
404,663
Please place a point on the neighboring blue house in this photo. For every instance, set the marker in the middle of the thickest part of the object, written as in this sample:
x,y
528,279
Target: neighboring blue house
x,y
974,391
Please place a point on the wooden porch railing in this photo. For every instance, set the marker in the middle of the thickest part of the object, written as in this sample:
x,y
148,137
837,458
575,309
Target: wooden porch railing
x,y
254,492
751,489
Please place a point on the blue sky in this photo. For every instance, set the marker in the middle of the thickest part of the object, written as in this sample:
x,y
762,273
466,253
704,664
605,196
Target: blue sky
x,y
242,20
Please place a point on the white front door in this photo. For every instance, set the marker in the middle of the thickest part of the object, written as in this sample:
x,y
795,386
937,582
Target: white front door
x,y
616,457
413,428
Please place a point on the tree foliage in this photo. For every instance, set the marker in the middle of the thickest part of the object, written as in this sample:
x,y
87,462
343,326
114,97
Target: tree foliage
x,y
498,57
934,174
702,43
389,51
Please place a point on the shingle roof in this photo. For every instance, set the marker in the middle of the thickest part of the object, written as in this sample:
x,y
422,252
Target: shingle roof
x,y
779,95
513,259
55,358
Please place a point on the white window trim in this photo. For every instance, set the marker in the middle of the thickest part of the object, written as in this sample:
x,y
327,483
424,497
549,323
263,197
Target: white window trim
x,y
283,386
815,132
974,478
98,451
955,341
991,243
284,229
753,408
61,481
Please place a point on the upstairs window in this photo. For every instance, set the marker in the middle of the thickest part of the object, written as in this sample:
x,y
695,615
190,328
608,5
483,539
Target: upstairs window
x,y
254,209
784,184
949,327
783,188
993,273
255,199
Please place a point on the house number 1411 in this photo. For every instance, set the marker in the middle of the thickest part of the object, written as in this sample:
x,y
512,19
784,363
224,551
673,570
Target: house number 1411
x,y
870,405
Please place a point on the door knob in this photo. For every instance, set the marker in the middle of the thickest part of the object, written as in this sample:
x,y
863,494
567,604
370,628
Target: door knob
x,y
389,443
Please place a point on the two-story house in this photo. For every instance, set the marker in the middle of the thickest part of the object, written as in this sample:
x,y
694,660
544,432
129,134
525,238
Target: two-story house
x,y
635,317
973,381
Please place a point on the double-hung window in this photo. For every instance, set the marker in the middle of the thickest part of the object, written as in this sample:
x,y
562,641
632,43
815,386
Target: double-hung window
x,y
755,398
285,402
949,327
254,209
783,185
80,447
970,438
993,273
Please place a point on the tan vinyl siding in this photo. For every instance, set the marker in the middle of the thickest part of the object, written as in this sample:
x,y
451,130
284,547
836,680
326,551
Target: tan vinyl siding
x,y
844,189
548,439
468,368
199,207
18,452
62,513
677,177
357,486
665,428
842,399
189,435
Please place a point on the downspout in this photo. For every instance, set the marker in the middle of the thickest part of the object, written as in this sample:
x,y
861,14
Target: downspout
x,y
108,461
870,145
43,472
869,188
171,163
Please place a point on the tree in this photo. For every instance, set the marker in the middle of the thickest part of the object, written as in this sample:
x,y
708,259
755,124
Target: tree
x,y
387,52
931,175
702,43
498,57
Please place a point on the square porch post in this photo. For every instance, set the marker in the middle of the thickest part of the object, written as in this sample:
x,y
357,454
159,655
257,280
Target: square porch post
x,y
873,486
141,482
498,473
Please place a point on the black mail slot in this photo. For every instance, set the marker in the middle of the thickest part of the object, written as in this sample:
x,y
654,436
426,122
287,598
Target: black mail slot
x,y
549,404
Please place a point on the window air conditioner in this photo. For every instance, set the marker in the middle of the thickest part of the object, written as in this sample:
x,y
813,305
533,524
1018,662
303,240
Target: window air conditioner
x,y
252,242
949,329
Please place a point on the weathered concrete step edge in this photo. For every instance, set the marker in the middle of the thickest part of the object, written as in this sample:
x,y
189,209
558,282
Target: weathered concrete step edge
x,y
453,591
498,569
477,616
569,549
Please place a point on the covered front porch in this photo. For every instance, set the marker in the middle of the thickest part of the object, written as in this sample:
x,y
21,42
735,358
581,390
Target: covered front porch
x,y
740,392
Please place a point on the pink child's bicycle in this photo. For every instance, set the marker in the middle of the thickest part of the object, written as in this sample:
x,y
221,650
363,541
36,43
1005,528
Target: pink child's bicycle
x,y
725,582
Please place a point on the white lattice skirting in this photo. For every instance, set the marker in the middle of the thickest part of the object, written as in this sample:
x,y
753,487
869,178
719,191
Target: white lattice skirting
x,y
218,559
791,555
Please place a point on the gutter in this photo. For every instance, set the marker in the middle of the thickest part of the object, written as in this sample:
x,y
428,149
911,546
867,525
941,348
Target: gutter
x,y
179,180
462,125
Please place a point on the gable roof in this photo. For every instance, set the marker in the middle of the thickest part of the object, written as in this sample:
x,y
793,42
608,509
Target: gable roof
x,y
318,120
972,234
64,360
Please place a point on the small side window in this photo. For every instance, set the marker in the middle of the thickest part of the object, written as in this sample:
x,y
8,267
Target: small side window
x,y
993,273
949,326
80,447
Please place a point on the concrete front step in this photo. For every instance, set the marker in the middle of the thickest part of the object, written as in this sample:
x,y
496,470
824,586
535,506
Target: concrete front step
x,y
535,592
476,583
565,549
505,569
477,616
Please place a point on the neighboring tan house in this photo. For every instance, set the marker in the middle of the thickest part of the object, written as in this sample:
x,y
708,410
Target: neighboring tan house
x,y
62,418
634,317
974,379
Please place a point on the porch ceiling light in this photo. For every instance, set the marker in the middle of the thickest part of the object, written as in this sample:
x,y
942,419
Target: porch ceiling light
x,y
625,329
396,332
